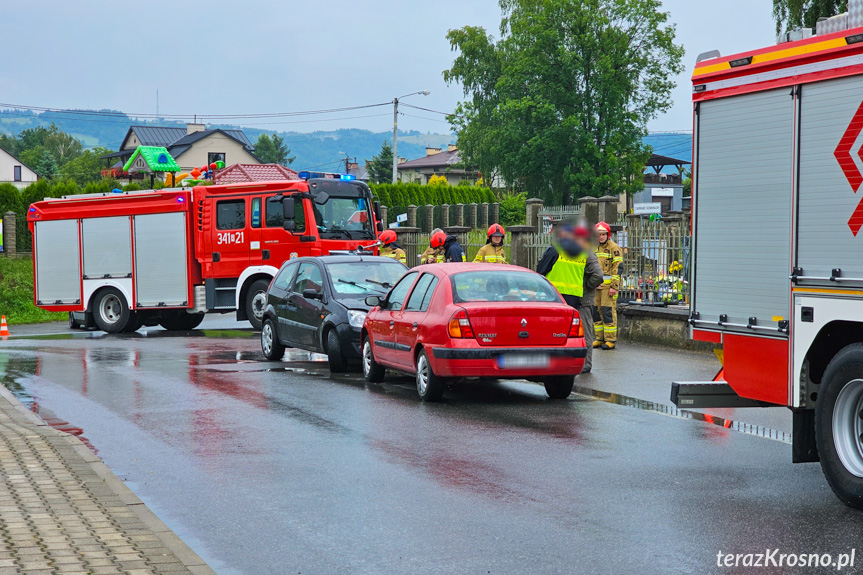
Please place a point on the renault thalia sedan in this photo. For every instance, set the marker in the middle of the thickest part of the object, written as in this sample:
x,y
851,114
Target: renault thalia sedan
x,y
465,320
318,304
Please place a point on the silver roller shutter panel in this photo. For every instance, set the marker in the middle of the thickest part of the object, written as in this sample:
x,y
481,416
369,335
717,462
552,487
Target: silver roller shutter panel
x,y
743,195
827,200
58,272
161,260
107,244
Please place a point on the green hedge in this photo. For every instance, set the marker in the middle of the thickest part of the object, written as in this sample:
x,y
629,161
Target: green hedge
x,y
397,197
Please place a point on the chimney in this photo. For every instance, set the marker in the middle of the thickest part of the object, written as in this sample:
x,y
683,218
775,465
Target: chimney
x,y
432,151
451,148
192,128
402,160
353,166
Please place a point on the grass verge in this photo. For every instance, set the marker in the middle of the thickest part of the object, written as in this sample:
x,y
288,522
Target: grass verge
x,y
16,294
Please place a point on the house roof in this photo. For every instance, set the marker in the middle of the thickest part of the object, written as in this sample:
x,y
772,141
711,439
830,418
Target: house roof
x,y
157,157
176,140
240,173
441,159
157,135
17,160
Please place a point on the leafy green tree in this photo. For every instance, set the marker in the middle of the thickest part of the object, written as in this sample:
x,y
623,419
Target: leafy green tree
x,y
64,147
381,166
272,150
560,103
791,14
41,161
85,168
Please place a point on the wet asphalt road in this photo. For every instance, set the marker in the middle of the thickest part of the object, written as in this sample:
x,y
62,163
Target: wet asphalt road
x,y
280,468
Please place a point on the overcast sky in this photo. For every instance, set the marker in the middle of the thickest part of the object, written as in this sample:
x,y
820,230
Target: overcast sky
x,y
228,57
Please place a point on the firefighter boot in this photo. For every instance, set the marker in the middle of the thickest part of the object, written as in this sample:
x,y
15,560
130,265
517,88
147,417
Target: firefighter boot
x,y
608,345
596,343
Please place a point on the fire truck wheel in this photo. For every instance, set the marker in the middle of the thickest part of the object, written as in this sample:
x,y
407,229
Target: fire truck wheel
x,y
256,301
559,386
136,322
270,344
181,321
110,311
839,425
335,356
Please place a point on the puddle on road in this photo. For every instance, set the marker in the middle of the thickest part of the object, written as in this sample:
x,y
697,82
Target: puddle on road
x,y
146,333
670,410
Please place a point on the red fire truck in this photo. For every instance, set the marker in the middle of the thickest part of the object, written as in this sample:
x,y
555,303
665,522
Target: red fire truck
x,y
122,260
777,249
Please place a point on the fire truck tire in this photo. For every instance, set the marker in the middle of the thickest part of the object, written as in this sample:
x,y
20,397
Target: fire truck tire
x,y
335,355
839,425
559,386
270,344
256,301
136,322
181,321
110,311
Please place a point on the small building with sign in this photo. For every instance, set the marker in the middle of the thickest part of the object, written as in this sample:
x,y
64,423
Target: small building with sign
x,y
663,191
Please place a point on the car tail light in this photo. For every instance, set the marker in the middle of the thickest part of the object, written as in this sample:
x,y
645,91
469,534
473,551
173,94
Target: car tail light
x,y
459,325
576,329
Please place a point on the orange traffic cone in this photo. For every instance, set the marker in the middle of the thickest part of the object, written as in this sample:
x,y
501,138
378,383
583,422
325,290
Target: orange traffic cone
x,y
4,329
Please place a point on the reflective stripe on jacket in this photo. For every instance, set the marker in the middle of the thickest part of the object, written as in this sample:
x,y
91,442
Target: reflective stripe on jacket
x,y
567,275
610,257
396,254
491,254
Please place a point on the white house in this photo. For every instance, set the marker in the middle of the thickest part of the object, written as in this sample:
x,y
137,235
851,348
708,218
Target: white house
x,y
14,172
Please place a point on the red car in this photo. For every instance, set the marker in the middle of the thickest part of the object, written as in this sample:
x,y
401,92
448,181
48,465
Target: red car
x,y
449,321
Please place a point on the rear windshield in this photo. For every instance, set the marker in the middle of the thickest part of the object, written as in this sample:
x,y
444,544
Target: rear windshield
x,y
502,286
359,279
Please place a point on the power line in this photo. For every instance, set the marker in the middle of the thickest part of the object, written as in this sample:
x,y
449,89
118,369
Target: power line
x,y
430,110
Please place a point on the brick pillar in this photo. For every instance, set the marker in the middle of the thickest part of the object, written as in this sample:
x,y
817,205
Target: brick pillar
x,y
444,215
459,214
518,253
461,233
428,218
531,209
470,218
589,209
483,217
494,213
607,211
384,216
412,216
10,235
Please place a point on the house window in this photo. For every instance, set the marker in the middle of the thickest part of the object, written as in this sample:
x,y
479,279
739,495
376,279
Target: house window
x,y
17,174
215,157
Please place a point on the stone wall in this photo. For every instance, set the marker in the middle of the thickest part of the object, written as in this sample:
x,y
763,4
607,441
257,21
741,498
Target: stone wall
x,y
666,326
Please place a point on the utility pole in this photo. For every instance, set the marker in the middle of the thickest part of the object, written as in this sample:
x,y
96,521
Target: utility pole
x,y
396,132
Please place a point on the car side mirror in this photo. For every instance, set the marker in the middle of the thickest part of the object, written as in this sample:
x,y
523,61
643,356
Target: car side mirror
x,y
380,226
373,301
312,294
321,198
288,207
289,225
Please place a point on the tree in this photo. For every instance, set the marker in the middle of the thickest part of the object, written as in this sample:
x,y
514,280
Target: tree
x,y
41,161
85,168
791,14
438,180
381,166
272,150
64,147
560,103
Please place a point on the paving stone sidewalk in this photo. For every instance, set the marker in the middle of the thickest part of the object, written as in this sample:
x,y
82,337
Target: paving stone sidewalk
x,y
62,511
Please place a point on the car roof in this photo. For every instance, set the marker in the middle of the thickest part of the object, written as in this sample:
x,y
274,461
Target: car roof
x,y
452,268
342,259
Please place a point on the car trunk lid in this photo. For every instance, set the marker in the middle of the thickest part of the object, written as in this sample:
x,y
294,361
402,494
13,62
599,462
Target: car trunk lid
x,y
519,324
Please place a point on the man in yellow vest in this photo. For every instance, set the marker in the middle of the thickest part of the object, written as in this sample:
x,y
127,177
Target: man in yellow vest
x,y
610,257
493,251
563,264
391,248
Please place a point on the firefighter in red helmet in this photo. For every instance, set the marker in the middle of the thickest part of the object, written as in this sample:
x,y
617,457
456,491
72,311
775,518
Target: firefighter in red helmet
x,y
493,251
605,315
452,251
391,248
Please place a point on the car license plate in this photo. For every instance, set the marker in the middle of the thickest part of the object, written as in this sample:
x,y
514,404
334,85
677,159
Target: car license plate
x,y
522,360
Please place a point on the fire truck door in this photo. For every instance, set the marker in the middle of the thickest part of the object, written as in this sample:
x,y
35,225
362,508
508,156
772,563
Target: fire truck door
x,y
271,243
231,241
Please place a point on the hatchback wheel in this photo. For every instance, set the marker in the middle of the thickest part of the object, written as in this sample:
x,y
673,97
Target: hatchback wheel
x,y
559,386
335,355
372,370
270,344
429,386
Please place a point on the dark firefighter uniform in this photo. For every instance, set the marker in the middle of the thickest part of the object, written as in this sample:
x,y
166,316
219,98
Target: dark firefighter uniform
x,y
610,257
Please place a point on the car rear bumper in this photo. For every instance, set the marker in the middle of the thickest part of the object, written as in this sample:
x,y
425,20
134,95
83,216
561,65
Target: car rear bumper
x,y
483,362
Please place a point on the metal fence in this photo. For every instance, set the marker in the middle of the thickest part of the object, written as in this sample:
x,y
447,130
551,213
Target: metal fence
x,y
415,243
23,237
656,262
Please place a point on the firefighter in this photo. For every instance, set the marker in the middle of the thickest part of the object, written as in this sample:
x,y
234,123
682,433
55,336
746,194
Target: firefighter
x,y
605,313
493,251
563,264
452,251
391,248
593,278
432,255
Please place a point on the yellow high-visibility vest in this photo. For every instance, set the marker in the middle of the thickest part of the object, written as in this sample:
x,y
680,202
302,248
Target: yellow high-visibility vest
x,y
567,274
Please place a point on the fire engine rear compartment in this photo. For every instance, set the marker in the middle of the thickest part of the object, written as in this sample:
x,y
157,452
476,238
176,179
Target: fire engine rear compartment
x,y
145,256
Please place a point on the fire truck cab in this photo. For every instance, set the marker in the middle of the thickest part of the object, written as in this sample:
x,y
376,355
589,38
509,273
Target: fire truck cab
x,y
122,260
777,256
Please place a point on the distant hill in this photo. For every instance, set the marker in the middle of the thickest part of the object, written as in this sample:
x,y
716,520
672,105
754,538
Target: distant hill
x,y
320,149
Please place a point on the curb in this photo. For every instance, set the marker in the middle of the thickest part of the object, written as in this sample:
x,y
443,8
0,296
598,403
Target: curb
x,y
169,539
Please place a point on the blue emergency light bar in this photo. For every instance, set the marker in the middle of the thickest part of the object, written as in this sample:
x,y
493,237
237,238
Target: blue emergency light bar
x,y
304,175
347,177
